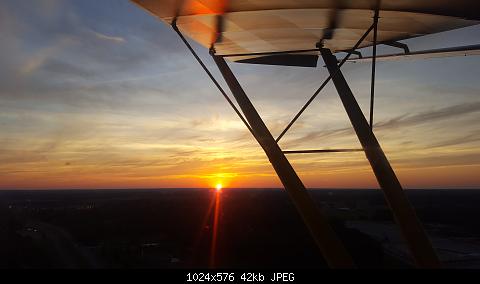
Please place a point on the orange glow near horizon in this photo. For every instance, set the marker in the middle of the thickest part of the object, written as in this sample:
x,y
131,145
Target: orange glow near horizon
x,y
356,177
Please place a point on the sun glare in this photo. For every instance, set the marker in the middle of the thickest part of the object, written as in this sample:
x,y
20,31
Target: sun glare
x,y
218,187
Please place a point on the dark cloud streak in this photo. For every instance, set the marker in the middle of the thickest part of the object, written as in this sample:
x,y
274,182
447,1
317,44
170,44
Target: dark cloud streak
x,y
450,112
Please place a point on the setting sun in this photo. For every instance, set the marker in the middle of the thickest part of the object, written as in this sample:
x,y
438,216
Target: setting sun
x,y
218,186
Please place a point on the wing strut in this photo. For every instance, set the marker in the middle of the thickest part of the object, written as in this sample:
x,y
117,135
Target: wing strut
x,y
374,61
322,151
331,247
411,228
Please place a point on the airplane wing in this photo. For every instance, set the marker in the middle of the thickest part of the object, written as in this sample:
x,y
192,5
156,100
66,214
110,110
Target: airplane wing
x,y
251,28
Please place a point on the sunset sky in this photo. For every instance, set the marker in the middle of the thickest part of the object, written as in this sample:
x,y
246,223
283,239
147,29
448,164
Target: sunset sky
x,y
99,94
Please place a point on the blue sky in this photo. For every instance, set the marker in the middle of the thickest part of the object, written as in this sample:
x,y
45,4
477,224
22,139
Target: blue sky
x,y
101,94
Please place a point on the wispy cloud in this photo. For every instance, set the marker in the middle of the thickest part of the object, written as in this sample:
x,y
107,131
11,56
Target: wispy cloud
x,y
36,61
450,112
109,38
472,137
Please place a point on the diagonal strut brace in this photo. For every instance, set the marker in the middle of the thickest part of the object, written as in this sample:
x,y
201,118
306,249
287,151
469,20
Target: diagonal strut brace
x,y
331,247
411,228
324,84
374,64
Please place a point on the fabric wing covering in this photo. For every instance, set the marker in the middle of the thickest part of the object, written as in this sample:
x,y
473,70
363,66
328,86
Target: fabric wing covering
x,y
238,27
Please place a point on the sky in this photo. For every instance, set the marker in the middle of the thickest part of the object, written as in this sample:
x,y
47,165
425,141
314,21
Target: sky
x,y
99,94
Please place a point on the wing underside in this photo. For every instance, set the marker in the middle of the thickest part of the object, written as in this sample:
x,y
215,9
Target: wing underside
x,y
247,27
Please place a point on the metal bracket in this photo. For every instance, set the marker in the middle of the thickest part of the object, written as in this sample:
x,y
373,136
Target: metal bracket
x,y
356,52
398,45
